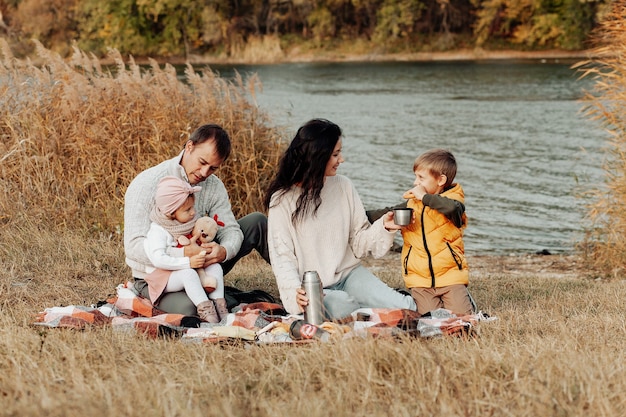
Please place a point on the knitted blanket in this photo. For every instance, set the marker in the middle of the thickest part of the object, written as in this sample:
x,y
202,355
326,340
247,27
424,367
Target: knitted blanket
x,y
261,322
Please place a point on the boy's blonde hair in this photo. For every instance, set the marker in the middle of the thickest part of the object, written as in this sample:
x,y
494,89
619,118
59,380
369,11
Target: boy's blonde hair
x,y
438,162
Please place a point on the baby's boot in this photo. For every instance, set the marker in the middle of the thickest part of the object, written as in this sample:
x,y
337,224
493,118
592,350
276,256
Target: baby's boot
x,y
207,312
222,308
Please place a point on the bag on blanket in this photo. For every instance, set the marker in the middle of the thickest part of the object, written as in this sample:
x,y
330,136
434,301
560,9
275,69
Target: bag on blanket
x,y
235,296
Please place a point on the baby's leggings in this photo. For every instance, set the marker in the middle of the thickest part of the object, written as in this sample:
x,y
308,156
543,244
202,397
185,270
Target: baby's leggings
x,y
188,280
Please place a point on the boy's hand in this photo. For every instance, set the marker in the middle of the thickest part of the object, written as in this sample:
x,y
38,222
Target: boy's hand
x,y
197,261
418,192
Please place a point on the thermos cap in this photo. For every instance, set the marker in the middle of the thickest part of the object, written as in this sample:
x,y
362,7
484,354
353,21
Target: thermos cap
x,y
310,276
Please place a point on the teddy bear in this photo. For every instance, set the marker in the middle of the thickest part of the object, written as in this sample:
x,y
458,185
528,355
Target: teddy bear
x,y
204,231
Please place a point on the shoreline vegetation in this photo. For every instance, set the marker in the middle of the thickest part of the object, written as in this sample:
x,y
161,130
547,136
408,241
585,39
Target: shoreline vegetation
x,y
459,55
272,31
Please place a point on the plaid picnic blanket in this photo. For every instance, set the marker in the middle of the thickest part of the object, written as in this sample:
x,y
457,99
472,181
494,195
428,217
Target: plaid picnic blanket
x,y
262,322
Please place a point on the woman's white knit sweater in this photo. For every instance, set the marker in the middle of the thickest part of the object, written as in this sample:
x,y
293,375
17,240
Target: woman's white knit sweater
x,y
329,242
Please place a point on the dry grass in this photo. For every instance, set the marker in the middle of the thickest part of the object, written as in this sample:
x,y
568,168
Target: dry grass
x,y
605,246
557,349
72,135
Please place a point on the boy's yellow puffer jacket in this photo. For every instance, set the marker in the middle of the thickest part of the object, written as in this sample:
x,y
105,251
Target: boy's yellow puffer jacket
x,y
433,254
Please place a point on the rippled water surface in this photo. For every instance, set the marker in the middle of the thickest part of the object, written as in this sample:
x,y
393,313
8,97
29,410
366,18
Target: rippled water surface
x,y
523,148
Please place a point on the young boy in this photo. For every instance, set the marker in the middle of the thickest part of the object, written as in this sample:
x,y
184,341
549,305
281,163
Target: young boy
x,y
433,256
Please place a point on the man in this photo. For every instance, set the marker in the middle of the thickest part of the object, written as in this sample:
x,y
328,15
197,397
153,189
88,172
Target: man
x,y
205,151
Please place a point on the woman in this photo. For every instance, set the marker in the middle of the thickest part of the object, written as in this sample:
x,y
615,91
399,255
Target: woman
x,y
316,222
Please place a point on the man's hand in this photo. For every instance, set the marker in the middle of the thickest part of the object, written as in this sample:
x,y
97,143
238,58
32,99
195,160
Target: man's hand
x,y
215,253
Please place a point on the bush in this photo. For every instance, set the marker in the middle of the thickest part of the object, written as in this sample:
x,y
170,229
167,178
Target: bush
x,y
74,133
605,243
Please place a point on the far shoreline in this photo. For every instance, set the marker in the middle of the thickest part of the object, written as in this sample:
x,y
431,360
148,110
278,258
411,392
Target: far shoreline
x,y
463,55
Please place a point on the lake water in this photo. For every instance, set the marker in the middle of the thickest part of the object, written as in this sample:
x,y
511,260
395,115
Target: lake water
x,y
522,146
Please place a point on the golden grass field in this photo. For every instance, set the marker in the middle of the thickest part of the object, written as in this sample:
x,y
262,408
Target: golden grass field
x,y
555,350
72,136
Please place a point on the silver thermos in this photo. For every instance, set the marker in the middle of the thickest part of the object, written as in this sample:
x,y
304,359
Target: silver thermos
x,y
312,285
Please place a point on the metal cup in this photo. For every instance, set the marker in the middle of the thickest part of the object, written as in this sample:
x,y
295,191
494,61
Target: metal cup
x,y
402,216
300,330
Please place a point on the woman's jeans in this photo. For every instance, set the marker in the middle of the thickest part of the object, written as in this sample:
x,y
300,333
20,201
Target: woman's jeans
x,y
362,289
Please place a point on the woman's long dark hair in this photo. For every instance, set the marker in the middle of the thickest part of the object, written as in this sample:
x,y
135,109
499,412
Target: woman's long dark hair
x,y
304,163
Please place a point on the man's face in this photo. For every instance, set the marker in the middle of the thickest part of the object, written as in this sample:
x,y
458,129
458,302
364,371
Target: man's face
x,y
199,161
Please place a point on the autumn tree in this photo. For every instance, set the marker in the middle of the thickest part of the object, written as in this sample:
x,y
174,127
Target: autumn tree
x,y
537,23
182,28
53,20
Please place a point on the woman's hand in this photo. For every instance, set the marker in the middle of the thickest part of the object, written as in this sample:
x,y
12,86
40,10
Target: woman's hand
x,y
301,299
388,222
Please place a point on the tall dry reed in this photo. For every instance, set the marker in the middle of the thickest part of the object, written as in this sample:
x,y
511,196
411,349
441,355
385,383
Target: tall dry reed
x,y
74,133
605,243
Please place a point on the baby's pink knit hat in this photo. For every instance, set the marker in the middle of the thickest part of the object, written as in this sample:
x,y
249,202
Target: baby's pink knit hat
x,y
172,192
